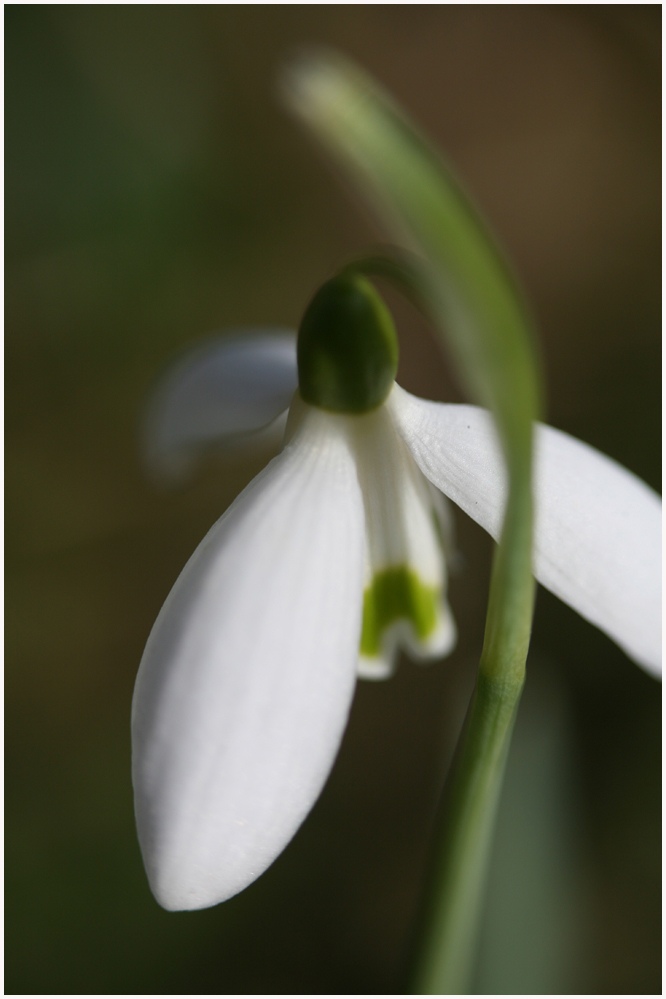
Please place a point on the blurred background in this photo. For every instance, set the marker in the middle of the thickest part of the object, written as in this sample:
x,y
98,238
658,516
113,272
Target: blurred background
x,y
156,192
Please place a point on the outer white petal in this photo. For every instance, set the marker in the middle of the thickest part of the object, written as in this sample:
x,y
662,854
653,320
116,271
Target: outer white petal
x,y
598,527
245,684
229,385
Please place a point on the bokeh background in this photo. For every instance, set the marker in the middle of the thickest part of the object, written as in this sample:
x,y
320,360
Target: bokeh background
x,y
155,192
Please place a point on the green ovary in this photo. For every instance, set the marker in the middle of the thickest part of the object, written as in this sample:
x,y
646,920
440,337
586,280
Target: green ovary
x,y
347,347
393,595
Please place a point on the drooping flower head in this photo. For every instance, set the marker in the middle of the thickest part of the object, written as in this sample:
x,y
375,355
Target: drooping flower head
x,y
328,562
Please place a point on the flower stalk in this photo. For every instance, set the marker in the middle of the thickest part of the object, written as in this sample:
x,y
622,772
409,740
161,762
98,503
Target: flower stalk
x,y
462,282
467,816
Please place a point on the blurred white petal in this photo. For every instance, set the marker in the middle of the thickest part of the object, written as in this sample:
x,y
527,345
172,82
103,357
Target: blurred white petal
x,y
227,387
597,539
245,684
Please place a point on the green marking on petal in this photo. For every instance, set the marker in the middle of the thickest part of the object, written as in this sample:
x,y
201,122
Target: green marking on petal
x,y
393,595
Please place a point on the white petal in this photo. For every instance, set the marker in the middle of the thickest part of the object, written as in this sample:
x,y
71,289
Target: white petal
x,y
405,574
245,684
598,527
230,385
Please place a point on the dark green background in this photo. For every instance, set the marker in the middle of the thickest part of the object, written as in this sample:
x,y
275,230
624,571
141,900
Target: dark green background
x,y
155,192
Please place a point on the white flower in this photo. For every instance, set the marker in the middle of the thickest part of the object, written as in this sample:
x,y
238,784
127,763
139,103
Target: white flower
x,y
326,562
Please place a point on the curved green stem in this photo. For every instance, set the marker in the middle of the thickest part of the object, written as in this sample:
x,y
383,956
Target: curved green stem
x,y
467,817
461,280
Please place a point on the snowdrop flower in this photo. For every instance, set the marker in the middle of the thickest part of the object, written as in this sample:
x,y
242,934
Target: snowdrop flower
x,y
326,564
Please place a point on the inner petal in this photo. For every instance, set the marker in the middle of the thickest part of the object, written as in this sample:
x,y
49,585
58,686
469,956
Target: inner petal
x,y
404,601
